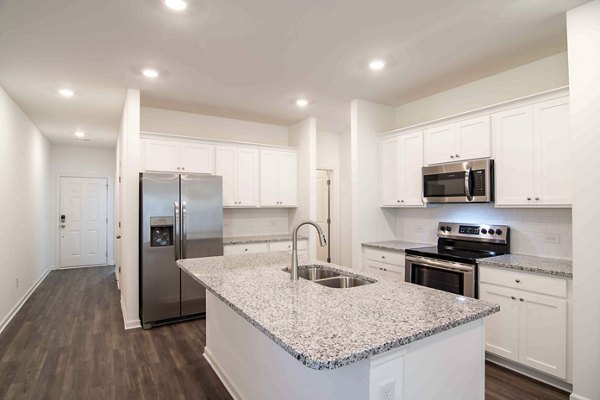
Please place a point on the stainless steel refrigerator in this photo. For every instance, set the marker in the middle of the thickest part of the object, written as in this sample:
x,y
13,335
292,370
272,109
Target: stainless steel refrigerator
x,y
181,216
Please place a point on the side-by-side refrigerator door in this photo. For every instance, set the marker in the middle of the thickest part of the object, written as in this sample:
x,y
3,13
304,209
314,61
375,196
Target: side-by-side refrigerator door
x,y
201,230
159,226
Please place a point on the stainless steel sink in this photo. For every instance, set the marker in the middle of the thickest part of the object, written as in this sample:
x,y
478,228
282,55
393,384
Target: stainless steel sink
x,y
329,277
314,273
342,282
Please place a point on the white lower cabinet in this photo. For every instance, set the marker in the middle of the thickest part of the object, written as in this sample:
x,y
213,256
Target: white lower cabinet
x,y
385,263
265,247
532,326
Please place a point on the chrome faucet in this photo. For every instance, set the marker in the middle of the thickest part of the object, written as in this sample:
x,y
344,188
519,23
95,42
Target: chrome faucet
x,y
294,268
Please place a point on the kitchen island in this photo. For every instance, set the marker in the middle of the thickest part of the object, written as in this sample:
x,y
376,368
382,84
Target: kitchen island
x,y
268,337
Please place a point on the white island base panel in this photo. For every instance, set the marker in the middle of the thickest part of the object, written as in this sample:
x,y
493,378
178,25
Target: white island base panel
x,y
448,365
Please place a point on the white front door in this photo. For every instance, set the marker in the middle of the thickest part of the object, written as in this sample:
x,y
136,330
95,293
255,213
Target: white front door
x,y
83,221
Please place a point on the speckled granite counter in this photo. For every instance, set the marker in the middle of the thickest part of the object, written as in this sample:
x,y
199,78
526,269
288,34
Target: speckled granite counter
x,y
327,328
541,265
394,245
280,237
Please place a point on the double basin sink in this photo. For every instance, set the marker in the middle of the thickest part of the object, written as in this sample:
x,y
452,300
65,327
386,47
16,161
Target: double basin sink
x,y
329,277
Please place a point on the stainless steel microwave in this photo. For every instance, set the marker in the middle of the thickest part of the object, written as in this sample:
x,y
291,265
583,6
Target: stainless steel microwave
x,y
459,182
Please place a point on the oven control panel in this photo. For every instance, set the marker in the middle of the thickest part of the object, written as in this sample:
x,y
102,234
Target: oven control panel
x,y
475,232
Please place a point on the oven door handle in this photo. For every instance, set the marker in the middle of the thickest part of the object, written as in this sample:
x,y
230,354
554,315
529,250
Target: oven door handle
x,y
468,191
451,266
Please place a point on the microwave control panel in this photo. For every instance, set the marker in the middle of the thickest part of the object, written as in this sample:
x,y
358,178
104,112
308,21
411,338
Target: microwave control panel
x,y
479,182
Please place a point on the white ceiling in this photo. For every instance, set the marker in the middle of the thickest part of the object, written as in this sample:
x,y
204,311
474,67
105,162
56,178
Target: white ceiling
x,y
253,59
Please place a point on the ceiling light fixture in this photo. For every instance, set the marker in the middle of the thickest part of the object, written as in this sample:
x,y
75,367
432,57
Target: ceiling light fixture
x,y
377,65
150,73
66,92
301,102
177,5
79,134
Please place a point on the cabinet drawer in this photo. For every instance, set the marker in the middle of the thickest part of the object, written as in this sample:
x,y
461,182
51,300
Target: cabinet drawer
x,y
388,257
524,281
389,270
232,249
287,246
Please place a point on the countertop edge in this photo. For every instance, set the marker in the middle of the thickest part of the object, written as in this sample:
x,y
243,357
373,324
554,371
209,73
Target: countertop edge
x,y
524,268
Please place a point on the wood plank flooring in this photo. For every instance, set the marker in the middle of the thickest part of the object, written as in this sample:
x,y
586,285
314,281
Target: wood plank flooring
x,y
68,342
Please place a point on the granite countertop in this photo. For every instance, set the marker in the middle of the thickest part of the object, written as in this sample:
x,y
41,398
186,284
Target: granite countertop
x,y
394,245
541,265
328,328
278,237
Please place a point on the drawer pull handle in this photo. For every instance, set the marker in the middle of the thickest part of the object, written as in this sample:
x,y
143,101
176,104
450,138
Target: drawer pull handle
x,y
513,297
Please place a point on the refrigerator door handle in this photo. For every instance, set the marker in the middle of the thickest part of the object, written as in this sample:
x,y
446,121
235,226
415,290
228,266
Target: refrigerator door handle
x,y
183,229
176,242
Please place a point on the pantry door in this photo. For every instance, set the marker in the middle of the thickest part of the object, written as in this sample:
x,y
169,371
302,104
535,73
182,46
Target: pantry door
x,y
83,221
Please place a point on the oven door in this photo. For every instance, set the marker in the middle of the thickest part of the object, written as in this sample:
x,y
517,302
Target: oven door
x,y
464,182
444,275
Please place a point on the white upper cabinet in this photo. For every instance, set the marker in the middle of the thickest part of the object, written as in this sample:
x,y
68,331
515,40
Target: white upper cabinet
x,y
463,140
401,164
278,178
178,156
532,155
239,168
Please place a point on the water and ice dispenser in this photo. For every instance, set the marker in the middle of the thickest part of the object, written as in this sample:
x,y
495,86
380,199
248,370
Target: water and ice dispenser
x,y
161,231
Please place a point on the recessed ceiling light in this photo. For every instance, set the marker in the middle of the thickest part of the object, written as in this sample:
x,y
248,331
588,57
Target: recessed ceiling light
x,y
79,134
150,73
177,5
66,92
301,102
377,65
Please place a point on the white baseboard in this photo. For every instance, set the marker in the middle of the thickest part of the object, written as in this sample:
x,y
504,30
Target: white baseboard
x,y
577,397
221,374
25,297
84,266
129,323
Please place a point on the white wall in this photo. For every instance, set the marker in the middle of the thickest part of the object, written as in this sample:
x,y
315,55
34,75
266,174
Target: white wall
x,y
538,76
208,127
529,228
369,221
82,161
345,200
255,221
303,136
128,168
328,158
25,250
583,33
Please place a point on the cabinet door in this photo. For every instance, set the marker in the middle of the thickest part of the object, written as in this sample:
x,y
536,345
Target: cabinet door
x,y
501,329
225,166
247,177
543,333
440,144
162,155
473,138
411,165
269,161
197,158
287,191
514,157
390,172
553,162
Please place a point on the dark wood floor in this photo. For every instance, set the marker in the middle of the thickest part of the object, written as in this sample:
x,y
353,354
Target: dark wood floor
x,y
68,342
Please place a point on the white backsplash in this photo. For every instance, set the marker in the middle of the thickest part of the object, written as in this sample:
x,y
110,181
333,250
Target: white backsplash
x,y
533,231
254,221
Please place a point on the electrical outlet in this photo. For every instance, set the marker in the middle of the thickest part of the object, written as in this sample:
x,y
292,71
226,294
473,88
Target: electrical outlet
x,y
386,390
552,238
17,282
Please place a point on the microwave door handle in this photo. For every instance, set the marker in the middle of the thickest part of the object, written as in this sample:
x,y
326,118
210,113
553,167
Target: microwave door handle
x,y
468,191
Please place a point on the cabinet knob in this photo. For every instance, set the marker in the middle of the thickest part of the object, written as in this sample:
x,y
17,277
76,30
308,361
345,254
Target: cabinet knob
x,y
398,201
245,249
451,156
383,257
529,198
402,201
457,156
513,297
521,299
518,280
183,168
239,202
178,168
537,198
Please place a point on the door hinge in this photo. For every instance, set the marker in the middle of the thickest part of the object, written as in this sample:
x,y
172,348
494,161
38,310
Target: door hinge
x,y
107,186
107,221
119,179
119,269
